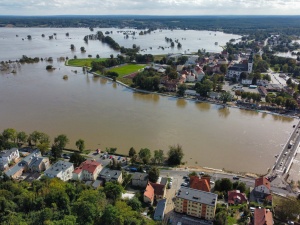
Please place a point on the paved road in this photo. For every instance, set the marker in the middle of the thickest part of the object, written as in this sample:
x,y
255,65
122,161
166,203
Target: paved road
x,y
287,155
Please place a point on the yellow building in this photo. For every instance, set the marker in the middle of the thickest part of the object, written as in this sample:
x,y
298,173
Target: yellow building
x,y
196,203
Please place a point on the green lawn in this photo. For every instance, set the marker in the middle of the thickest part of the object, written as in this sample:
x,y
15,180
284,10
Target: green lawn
x,y
127,69
231,220
84,62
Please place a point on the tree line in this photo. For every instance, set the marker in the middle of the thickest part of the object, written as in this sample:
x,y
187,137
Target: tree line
x,y
54,202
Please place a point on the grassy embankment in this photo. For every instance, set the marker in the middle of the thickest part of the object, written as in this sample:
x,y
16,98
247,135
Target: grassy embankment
x,y
126,70
121,70
84,62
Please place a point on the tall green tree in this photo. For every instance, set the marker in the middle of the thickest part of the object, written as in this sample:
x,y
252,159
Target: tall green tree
x,y
80,145
77,159
158,156
175,155
181,90
132,152
61,141
145,155
9,134
22,137
226,97
153,174
113,190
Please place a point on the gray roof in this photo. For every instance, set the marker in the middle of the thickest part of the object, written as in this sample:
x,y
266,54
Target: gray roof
x,y
111,174
15,169
140,176
36,161
21,165
239,67
194,195
7,153
29,158
164,181
58,167
160,208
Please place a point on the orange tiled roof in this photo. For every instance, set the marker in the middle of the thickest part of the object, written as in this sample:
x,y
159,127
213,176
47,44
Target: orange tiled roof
x,y
89,165
201,184
263,217
149,192
262,181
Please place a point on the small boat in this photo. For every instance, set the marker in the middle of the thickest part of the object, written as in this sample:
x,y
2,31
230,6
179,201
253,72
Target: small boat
x,y
216,43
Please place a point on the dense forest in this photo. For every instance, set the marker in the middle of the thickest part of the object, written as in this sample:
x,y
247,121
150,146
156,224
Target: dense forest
x,y
54,202
289,25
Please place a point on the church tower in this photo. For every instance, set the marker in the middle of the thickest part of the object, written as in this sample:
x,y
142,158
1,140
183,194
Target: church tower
x,y
250,63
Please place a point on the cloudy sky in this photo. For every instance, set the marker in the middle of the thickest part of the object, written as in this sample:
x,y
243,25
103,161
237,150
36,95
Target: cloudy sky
x,y
150,7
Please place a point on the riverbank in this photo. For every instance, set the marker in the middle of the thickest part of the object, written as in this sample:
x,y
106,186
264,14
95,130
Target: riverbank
x,y
196,100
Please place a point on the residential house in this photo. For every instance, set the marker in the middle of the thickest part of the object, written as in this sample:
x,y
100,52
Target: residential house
x,y
61,169
262,189
154,192
236,197
196,203
140,179
202,184
212,68
24,165
263,217
190,77
170,85
159,213
88,170
192,60
39,164
111,175
199,72
223,61
149,194
8,156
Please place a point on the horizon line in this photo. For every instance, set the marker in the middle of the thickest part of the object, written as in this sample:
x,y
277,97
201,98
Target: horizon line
x,y
214,15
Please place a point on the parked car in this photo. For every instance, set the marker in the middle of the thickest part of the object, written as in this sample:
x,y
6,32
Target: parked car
x,y
211,182
201,173
133,169
184,184
235,178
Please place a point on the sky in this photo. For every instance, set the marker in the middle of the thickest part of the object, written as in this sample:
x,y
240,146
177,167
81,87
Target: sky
x,y
149,7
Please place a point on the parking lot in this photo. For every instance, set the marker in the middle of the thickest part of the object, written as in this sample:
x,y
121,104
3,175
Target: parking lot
x,y
170,214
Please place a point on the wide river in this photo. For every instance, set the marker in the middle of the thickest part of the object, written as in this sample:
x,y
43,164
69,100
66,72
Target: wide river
x,y
105,114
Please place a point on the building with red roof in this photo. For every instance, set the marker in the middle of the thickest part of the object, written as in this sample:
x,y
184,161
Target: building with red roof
x,y
202,184
263,217
154,192
88,170
236,197
262,189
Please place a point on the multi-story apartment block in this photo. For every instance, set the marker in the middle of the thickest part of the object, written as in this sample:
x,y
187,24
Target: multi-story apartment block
x,y
196,203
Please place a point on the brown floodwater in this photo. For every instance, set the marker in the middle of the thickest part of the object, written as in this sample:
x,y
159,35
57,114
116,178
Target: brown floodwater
x,y
106,114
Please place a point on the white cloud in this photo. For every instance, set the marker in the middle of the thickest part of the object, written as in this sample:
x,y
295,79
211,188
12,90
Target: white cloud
x,y
150,7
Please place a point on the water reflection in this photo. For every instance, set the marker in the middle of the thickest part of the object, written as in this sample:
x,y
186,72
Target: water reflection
x,y
114,84
181,103
203,106
146,97
224,111
103,81
95,79
282,118
249,112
